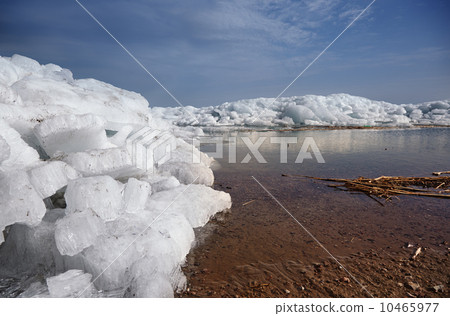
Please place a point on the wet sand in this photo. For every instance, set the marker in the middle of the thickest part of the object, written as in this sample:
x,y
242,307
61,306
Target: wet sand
x,y
258,250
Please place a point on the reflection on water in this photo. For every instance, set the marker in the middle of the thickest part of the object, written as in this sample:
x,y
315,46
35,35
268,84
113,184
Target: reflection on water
x,y
259,241
347,153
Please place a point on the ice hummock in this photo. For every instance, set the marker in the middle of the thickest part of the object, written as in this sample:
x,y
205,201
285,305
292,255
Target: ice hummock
x,y
67,142
335,110
71,133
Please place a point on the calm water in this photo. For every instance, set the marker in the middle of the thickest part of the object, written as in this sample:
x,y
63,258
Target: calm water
x,y
347,153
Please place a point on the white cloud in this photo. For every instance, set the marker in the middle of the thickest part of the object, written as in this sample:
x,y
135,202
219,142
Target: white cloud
x,y
321,5
254,21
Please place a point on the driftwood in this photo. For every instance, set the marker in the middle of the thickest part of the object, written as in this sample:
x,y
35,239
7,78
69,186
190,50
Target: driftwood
x,y
387,187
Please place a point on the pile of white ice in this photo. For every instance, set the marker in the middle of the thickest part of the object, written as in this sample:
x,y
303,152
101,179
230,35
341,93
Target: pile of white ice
x,y
332,110
75,206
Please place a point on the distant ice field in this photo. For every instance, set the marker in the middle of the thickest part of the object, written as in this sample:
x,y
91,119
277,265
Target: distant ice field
x,y
333,110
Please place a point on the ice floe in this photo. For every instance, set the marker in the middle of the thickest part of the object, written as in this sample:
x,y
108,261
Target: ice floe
x,y
90,187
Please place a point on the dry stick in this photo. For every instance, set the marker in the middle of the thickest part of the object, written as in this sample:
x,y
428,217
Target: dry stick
x,y
363,187
404,178
369,187
440,185
246,203
390,186
368,181
443,196
404,190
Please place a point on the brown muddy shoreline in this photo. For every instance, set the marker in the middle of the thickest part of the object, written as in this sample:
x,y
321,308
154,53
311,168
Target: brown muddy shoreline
x,y
258,250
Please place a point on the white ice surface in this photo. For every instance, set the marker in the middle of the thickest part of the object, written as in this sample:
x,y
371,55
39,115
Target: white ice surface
x,y
47,90
334,109
71,133
77,231
5,150
166,239
19,201
72,283
188,173
101,195
181,165
163,183
135,195
150,284
49,177
16,153
115,162
197,203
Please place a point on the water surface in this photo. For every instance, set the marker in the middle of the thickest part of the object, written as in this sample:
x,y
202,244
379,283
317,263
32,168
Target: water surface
x,y
260,250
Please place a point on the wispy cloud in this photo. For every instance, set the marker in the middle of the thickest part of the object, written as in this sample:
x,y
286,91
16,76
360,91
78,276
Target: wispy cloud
x,y
322,6
210,51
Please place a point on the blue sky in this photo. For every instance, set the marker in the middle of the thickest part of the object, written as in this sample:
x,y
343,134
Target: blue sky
x,y
210,52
